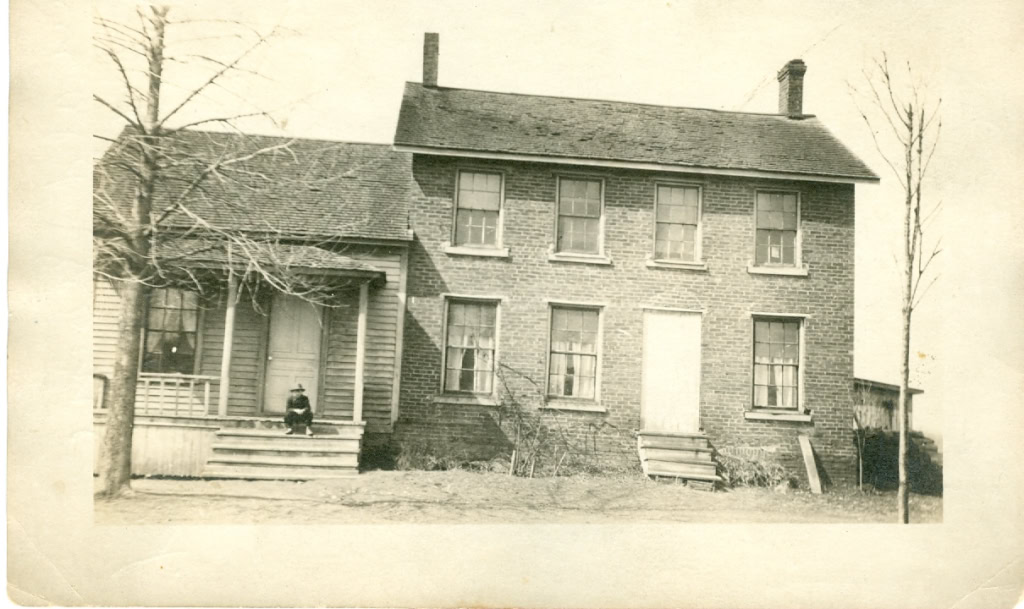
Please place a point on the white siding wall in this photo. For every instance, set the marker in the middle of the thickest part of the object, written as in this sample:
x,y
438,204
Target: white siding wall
x,y
105,304
384,320
381,328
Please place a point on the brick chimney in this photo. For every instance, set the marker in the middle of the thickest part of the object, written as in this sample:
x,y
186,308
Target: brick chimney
x,y
791,88
431,49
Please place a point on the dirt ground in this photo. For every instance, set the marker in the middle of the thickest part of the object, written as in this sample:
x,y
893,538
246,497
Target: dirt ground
x,y
469,497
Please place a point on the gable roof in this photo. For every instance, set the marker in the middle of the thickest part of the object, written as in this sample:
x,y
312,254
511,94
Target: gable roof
x,y
447,120
288,187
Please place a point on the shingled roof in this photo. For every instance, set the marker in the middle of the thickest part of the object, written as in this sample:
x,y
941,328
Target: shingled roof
x,y
199,252
463,120
297,188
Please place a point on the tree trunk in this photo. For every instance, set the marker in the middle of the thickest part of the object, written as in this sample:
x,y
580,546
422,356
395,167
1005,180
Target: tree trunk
x,y
116,457
909,242
115,462
903,495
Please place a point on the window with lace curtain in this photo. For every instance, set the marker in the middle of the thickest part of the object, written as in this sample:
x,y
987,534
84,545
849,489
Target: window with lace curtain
x,y
776,363
572,363
172,327
470,343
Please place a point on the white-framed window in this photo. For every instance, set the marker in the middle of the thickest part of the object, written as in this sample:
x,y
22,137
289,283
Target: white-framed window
x,y
777,362
580,207
677,223
574,351
777,228
478,201
471,342
171,332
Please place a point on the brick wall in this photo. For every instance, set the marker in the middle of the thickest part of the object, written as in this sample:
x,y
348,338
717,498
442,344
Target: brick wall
x,y
726,293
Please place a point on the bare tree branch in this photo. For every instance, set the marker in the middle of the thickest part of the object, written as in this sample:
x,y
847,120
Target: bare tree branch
x,y
916,127
224,69
113,109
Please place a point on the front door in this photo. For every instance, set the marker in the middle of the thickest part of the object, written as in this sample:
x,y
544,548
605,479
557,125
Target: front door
x,y
670,391
293,353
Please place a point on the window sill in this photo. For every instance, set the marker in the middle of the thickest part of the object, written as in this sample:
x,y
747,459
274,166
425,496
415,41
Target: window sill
x,y
790,271
699,266
580,258
770,415
576,405
482,252
467,400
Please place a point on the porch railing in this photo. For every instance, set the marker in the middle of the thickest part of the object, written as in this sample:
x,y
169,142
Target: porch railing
x,y
174,394
163,394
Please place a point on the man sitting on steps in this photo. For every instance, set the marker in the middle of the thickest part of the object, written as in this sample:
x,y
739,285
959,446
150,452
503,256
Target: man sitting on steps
x,y
298,411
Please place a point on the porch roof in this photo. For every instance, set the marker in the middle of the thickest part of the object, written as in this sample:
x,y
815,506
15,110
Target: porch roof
x,y
303,258
885,386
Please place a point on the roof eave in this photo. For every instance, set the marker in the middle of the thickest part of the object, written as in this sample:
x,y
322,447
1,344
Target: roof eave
x,y
625,164
886,386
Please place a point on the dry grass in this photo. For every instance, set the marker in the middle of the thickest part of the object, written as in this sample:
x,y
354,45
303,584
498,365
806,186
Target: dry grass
x,y
467,497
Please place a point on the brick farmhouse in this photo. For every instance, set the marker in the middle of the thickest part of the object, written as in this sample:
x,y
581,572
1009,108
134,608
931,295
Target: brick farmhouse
x,y
653,283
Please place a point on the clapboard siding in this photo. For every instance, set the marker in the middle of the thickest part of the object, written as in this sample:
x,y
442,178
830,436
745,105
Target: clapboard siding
x,y
246,355
382,323
247,361
105,308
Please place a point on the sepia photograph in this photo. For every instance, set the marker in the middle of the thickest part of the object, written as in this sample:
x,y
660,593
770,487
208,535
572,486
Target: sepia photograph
x,y
518,307
578,275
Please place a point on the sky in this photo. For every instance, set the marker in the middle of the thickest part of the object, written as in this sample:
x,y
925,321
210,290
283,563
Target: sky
x,y
338,72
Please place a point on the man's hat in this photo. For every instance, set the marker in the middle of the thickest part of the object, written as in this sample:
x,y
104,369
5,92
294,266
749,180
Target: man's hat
x,y
298,388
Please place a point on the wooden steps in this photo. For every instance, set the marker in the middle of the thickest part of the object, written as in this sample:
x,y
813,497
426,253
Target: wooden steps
x,y
269,454
686,456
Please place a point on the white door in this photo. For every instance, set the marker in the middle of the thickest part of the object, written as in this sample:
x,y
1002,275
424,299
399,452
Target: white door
x,y
293,355
670,392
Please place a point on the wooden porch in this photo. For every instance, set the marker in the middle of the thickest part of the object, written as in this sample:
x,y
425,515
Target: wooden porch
x,y
225,419
211,446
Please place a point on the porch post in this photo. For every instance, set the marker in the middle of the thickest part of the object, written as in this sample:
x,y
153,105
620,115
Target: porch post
x,y
357,397
229,338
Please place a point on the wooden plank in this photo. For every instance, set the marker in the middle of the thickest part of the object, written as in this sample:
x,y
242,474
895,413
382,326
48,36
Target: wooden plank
x,y
678,454
812,469
669,442
682,468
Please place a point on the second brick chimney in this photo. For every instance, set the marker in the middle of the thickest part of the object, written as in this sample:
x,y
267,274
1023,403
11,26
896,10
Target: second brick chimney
x,y
431,50
791,88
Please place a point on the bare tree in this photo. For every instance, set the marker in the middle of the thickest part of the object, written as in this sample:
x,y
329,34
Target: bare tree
x,y
173,207
905,127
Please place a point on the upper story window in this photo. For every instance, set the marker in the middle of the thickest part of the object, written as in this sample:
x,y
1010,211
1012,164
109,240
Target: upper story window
x,y
478,209
776,363
172,325
470,343
572,362
778,229
580,205
677,223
